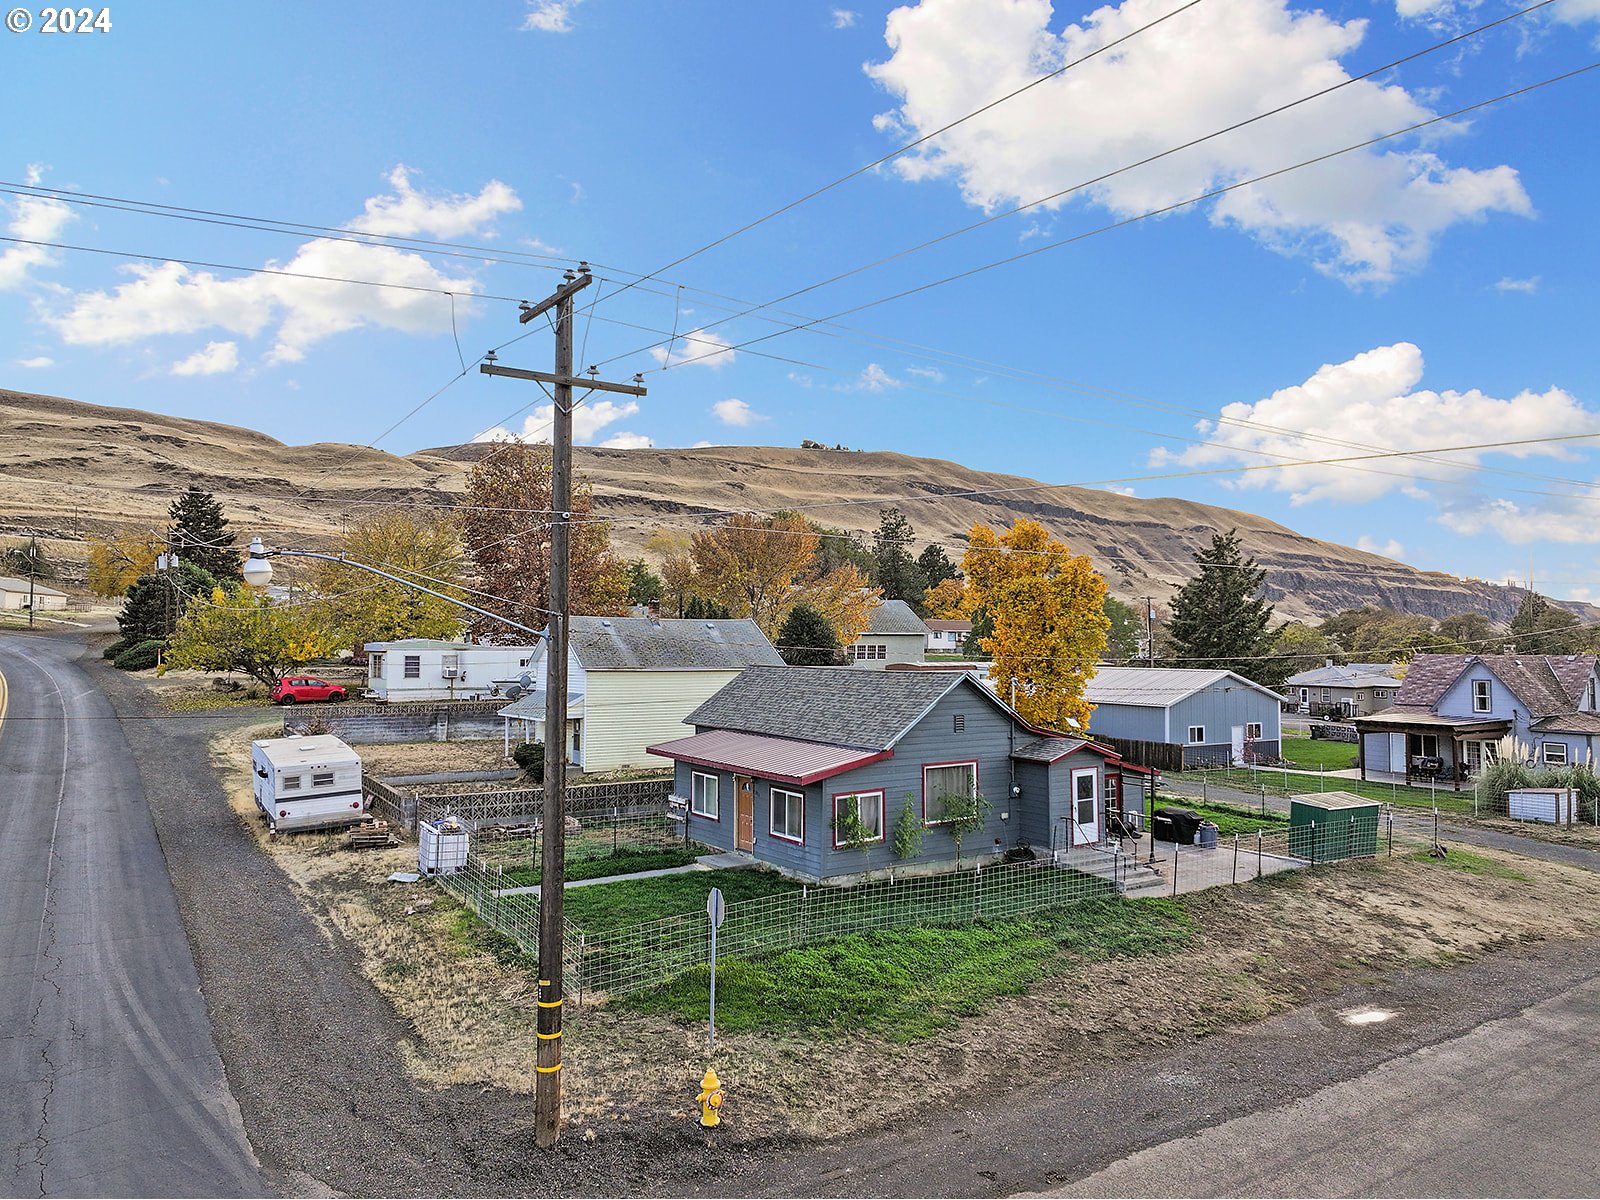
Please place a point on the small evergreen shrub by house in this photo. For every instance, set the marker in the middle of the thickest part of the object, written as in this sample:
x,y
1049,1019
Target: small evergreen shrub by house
x,y
116,648
530,757
139,658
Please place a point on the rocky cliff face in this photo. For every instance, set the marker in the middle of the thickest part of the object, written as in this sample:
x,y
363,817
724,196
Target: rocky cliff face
x,y
68,469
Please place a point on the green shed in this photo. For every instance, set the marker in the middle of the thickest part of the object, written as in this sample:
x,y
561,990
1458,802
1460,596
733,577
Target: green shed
x,y
1330,826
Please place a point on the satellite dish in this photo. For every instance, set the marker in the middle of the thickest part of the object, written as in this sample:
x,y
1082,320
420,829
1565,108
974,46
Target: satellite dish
x,y
513,692
526,681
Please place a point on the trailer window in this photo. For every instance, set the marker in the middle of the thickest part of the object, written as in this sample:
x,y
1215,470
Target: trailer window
x,y
413,666
322,779
289,783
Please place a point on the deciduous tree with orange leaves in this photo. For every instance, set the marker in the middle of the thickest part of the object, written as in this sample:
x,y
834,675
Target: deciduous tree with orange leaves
x,y
750,563
1047,606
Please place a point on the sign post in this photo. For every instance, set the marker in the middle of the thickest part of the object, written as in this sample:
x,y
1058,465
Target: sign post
x,y
716,909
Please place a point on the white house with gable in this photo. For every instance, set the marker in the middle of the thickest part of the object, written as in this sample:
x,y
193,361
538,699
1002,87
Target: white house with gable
x,y
425,669
632,680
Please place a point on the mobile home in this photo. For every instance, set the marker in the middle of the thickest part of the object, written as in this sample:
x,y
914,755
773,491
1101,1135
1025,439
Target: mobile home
x,y
424,669
307,782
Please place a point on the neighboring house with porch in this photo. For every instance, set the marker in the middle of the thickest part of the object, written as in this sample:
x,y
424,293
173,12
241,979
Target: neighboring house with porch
x,y
1354,690
947,637
894,634
1452,711
426,669
15,595
1216,717
632,681
780,754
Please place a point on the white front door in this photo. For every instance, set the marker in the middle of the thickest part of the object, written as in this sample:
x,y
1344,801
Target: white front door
x,y
1397,752
1238,743
1085,817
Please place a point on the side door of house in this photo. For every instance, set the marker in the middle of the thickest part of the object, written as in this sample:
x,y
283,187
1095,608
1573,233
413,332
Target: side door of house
x,y
1238,743
1085,819
744,821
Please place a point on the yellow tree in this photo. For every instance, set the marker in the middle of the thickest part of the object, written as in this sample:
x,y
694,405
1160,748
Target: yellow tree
x,y
359,607
242,630
947,600
116,562
842,596
671,547
750,563
1046,608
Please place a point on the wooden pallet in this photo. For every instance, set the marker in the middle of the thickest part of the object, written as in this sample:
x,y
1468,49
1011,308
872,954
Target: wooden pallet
x,y
370,835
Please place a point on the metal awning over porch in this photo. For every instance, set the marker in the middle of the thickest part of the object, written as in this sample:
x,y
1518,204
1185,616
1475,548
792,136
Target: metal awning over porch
x,y
1453,732
781,759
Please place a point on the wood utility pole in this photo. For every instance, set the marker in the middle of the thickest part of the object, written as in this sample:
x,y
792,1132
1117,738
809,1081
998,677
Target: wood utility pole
x,y
1149,631
553,833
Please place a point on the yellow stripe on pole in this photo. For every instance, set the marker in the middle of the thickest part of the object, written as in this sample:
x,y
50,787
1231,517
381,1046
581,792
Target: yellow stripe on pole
x,y
549,1004
545,1037
548,1070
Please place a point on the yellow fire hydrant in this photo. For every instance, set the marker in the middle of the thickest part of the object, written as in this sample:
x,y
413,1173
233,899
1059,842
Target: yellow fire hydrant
x,y
710,1099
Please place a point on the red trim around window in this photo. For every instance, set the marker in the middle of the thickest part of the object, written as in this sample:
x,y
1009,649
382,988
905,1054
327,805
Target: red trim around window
x,y
883,816
784,837
960,762
716,779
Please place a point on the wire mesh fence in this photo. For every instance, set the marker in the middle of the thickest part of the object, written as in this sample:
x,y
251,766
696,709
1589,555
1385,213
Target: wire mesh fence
x,y
608,841
1242,857
629,958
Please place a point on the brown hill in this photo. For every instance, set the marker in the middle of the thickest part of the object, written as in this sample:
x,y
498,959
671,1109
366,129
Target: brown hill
x,y
68,469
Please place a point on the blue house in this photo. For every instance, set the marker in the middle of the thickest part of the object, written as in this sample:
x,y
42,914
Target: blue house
x,y
1453,710
1216,717
813,769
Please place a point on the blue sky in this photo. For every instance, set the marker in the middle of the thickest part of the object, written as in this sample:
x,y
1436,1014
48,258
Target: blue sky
x,y
1435,290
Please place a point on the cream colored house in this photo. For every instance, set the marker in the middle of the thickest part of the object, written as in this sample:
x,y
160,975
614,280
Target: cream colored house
x,y
632,680
15,594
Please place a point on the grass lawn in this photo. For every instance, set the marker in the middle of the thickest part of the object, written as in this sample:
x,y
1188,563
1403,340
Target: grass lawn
x,y
625,861
1310,753
1230,820
1466,860
1281,783
905,984
633,901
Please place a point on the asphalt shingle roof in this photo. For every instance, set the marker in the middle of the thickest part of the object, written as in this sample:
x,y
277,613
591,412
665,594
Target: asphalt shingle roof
x,y
839,705
1545,684
895,616
643,644
1355,675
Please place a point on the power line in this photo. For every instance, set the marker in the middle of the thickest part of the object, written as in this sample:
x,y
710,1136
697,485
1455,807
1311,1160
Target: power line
x,y
1144,216
1088,183
878,162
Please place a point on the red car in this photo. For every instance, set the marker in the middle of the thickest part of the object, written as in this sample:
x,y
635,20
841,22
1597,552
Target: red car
x,y
302,688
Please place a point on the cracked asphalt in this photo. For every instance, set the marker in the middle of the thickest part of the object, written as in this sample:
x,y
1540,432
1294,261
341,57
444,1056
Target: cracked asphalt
x,y
110,1083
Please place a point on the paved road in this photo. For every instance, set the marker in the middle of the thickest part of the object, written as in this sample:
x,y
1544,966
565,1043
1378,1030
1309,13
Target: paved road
x,y
110,1083
1506,1110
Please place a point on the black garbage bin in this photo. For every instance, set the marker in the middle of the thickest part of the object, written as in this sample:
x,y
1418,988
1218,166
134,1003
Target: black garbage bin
x,y
1180,825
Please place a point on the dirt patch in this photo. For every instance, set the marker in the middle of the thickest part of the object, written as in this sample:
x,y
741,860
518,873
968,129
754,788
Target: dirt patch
x,y
425,758
1258,949
1585,835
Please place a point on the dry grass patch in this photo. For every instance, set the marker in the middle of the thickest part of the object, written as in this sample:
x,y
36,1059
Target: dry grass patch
x,y
425,758
1255,950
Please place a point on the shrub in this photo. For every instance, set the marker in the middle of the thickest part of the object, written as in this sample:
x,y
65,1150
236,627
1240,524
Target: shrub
x,y
1496,780
530,757
908,830
116,648
139,658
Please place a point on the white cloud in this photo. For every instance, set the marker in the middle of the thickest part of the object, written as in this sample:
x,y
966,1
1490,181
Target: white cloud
x,y
931,374
1366,217
35,364
1529,286
627,441
735,412
1373,400
1389,549
1444,11
588,419
217,358
170,298
1119,491
35,219
1570,521
843,18
409,213
550,16
705,349
702,445
875,379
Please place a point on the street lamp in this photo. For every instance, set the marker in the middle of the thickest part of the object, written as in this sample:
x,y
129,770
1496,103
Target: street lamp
x,y
257,572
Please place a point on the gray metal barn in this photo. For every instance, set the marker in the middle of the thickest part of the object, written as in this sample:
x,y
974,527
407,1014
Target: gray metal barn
x,y
1216,717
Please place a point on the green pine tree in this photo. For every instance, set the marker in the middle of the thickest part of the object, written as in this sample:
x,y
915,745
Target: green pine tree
x,y
1541,628
157,600
807,639
896,571
644,585
200,535
936,565
1219,619
1126,632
